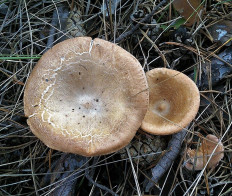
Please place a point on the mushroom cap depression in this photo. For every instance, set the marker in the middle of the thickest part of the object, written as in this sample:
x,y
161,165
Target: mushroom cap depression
x,y
174,100
197,158
86,96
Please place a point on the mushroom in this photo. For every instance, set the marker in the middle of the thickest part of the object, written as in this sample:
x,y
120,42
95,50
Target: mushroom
x,y
86,96
197,158
173,101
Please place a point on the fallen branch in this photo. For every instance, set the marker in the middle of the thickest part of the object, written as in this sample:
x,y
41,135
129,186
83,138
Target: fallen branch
x,y
165,162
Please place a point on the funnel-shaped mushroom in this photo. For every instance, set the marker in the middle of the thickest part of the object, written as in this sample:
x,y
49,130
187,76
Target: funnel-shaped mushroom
x,y
173,101
198,158
86,96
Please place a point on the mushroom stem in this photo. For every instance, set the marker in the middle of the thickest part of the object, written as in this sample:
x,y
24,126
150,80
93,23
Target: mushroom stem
x,y
165,162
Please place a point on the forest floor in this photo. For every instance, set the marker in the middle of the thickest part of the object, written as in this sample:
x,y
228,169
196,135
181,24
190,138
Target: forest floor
x,y
195,40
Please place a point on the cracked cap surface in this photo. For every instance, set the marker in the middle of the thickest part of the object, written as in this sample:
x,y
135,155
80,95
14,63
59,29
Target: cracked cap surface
x,y
86,97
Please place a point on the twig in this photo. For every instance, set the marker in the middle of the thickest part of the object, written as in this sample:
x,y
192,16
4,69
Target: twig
x,y
165,162
93,165
126,34
96,184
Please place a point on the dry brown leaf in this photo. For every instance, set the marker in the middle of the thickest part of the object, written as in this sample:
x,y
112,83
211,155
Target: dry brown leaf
x,y
188,9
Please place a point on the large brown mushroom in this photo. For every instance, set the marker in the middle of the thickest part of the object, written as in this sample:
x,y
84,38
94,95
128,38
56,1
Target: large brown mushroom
x,y
86,96
173,101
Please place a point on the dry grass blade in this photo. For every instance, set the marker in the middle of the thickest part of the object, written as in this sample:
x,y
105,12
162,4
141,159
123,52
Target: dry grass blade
x,y
134,173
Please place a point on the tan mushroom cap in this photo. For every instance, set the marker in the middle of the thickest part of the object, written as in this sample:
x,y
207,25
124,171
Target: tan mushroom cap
x,y
86,96
197,158
173,101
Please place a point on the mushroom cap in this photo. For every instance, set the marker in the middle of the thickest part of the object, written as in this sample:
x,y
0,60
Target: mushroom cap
x,y
86,97
197,158
174,101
